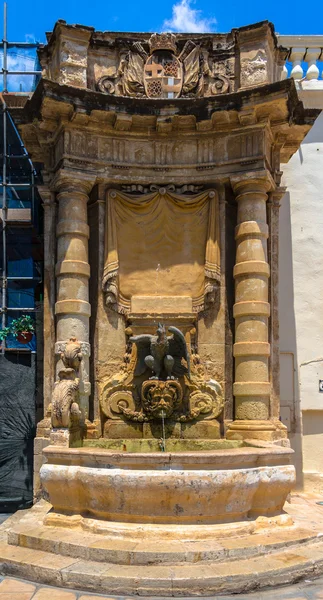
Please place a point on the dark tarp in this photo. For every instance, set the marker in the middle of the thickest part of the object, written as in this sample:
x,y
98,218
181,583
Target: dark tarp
x,y
17,430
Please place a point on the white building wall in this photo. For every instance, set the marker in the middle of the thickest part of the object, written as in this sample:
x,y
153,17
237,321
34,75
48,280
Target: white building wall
x,y
301,300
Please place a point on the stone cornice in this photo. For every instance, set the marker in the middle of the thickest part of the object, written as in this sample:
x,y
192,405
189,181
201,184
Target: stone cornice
x,y
251,31
88,101
54,108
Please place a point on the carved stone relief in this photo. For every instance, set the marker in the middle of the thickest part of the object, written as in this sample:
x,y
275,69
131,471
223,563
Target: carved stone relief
x,y
195,152
174,276
64,407
161,379
159,70
254,68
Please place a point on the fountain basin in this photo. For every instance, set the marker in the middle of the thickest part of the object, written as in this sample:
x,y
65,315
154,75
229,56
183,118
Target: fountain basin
x,y
214,486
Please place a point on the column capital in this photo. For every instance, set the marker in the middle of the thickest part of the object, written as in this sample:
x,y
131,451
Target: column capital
x,y
253,181
69,181
275,197
46,195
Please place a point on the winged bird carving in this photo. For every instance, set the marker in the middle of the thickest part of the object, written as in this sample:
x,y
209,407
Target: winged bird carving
x,y
162,354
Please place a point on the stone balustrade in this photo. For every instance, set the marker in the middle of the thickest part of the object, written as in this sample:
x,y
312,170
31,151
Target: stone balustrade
x,y
304,60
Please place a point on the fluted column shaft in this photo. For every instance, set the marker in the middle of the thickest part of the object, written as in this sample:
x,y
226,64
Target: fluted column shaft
x,y
72,306
251,312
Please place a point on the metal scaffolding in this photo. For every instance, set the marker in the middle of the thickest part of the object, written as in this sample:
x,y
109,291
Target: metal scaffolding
x,y
18,179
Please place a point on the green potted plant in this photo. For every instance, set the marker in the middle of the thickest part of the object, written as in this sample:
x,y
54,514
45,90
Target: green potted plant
x,y
22,328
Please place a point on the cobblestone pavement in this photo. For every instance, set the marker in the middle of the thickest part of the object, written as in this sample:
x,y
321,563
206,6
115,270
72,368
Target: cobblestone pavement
x,y
16,589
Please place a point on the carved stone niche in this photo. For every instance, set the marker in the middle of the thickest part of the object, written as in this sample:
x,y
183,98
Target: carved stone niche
x,y
177,236
173,391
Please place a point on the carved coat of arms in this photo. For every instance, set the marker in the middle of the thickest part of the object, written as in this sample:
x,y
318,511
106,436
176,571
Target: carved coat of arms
x,y
163,73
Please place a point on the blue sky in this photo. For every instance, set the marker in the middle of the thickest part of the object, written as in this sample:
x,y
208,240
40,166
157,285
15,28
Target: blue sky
x,y
33,18
38,16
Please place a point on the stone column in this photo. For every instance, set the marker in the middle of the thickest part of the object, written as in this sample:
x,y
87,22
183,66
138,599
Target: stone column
x,y
252,387
72,306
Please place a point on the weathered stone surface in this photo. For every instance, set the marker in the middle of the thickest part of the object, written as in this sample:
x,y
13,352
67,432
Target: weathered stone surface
x,y
177,488
154,429
122,430
276,554
201,430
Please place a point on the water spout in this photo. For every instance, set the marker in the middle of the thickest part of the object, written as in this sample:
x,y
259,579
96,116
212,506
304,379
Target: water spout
x,y
162,441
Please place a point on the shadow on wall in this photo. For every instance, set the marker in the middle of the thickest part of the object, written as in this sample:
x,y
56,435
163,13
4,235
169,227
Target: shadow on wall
x,y
289,383
315,133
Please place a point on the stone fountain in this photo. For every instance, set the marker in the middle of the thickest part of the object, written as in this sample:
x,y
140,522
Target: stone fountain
x,y
198,479
158,471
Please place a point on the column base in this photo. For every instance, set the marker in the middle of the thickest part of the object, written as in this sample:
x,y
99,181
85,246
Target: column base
x,y
256,430
45,425
69,438
92,429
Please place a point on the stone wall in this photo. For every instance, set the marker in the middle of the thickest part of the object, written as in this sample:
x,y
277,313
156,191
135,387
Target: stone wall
x,y
301,288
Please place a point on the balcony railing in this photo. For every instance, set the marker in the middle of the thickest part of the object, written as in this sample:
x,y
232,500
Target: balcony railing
x,y
304,60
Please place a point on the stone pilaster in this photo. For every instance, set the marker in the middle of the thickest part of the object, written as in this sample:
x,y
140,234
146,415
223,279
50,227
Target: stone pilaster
x,y
49,205
44,426
252,387
273,206
97,223
72,307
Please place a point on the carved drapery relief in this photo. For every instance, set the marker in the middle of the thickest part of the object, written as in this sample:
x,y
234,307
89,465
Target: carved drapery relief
x,y
162,247
160,73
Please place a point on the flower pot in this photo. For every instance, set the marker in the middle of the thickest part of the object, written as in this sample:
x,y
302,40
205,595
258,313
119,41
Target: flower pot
x,y
24,337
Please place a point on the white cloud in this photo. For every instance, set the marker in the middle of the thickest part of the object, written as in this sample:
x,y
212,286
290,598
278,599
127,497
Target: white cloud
x,y
187,19
30,38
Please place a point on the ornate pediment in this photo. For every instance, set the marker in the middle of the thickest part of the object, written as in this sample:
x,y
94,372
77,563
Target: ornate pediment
x,y
159,68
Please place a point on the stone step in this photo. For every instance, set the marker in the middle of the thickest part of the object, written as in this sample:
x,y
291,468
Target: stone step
x,y
163,580
99,548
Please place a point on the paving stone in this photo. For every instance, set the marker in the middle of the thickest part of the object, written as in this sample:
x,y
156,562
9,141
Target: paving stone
x,y
49,593
16,596
14,585
15,589
96,598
